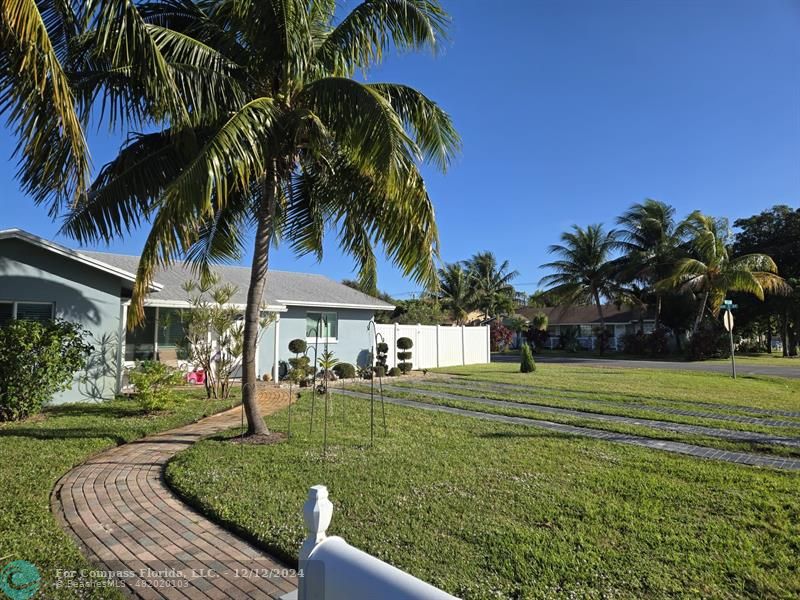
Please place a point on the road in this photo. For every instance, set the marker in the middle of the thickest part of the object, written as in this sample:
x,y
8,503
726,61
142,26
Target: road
x,y
790,370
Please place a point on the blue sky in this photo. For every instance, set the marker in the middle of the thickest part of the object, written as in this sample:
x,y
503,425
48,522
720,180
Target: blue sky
x,y
570,111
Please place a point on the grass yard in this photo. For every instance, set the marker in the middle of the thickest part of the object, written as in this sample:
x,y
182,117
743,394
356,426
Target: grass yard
x,y
486,510
761,359
37,452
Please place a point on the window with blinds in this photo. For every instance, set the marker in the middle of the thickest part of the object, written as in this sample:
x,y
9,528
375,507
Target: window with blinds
x,y
35,311
40,312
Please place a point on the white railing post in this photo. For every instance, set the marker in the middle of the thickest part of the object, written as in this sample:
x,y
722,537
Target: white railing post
x,y
317,513
463,347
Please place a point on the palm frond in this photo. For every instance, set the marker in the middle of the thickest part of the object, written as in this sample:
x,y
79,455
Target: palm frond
x,y
36,98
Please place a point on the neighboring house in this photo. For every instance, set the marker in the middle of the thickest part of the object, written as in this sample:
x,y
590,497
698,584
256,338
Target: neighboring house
x,y
42,280
584,320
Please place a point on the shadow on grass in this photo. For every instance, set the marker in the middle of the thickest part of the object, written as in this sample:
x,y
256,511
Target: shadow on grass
x,y
64,433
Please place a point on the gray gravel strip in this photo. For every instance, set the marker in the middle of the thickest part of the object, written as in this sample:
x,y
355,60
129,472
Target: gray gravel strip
x,y
728,434
744,458
749,409
535,392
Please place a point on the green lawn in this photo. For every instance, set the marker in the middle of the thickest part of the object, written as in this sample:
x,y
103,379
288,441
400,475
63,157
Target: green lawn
x,y
37,452
774,359
486,510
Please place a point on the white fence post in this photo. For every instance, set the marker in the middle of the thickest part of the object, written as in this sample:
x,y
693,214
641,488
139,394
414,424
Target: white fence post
x,y
463,347
317,513
489,346
334,570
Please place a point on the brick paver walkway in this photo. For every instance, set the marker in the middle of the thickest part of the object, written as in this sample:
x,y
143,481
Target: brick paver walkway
x,y
126,519
745,458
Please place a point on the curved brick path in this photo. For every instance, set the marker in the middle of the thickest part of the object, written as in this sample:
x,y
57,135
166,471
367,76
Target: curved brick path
x,y
745,458
125,518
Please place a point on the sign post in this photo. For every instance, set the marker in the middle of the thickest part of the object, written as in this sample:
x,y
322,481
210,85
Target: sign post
x,y
727,320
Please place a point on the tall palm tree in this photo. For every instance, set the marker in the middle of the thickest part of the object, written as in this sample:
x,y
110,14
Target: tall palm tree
x,y
491,284
651,239
268,132
711,273
583,274
37,98
455,292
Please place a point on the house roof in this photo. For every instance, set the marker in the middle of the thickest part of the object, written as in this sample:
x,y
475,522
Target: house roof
x,y
81,257
587,315
283,289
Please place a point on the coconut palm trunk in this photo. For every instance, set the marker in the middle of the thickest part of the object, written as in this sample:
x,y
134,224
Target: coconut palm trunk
x,y
658,312
602,319
258,280
700,313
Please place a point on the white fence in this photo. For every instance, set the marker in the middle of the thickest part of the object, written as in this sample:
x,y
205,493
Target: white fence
x,y
438,345
332,569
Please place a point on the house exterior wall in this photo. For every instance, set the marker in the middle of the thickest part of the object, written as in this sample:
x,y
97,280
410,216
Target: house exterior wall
x,y
352,345
82,295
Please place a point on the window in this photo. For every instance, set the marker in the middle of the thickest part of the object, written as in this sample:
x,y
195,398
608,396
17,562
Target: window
x,y
171,331
26,311
324,325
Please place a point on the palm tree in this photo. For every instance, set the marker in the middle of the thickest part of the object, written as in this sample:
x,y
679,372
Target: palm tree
x,y
268,132
651,238
491,284
455,293
36,97
583,274
711,273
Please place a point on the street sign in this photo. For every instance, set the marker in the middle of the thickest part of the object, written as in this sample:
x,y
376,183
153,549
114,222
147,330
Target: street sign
x,y
727,320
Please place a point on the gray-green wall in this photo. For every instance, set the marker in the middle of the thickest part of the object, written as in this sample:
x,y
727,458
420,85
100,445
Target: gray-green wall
x,y
81,294
352,346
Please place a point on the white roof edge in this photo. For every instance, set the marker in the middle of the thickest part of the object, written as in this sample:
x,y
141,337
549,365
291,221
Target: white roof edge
x,y
20,234
337,305
187,304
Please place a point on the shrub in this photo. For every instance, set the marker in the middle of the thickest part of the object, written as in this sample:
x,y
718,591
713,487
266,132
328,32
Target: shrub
x,y
380,370
635,343
344,370
394,372
297,346
709,341
301,369
153,382
365,372
640,343
537,338
527,364
38,360
569,339
382,347
658,342
500,336
405,344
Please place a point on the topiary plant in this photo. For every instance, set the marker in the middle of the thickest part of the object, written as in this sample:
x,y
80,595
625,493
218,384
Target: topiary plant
x,y
380,371
381,359
404,344
297,346
527,364
344,370
394,372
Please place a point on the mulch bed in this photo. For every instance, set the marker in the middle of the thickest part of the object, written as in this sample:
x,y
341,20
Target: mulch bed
x,y
274,437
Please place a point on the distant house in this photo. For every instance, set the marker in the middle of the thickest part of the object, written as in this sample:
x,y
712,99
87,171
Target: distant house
x,y
585,322
41,280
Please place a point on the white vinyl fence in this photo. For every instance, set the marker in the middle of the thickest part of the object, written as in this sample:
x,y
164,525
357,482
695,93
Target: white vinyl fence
x,y
332,569
438,345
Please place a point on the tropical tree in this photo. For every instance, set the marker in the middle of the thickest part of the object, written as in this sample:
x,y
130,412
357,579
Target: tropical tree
x,y
264,129
455,292
491,284
583,274
712,273
651,239
38,101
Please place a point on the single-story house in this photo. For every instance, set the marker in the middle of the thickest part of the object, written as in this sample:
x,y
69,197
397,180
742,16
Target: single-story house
x,y
40,279
584,320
